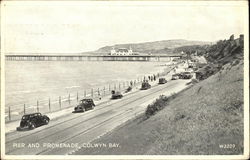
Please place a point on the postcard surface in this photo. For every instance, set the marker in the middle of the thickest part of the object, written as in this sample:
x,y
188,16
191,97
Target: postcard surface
x,y
124,80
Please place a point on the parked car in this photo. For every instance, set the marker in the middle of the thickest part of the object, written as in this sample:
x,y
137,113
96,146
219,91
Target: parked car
x,y
34,120
116,94
145,85
186,75
175,76
162,81
85,104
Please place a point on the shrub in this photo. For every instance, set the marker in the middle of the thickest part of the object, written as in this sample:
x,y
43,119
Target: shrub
x,y
179,116
158,105
234,106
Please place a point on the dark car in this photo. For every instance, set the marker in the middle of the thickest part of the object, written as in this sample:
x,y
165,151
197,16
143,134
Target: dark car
x,y
145,85
31,121
116,94
162,81
186,75
85,104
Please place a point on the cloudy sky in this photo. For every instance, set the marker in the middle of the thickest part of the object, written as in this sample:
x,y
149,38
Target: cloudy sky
x,y
53,27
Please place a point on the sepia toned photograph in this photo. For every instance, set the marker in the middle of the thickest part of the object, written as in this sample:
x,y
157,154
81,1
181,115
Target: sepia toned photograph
x,y
124,80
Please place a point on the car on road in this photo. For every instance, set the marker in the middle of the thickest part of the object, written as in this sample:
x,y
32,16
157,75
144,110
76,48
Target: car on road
x,y
34,120
116,94
84,105
145,85
162,81
186,75
175,76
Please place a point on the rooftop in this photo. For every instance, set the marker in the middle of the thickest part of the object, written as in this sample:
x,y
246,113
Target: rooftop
x,y
122,50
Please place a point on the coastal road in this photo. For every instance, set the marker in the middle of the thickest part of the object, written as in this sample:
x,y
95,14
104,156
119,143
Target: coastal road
x,y
67,134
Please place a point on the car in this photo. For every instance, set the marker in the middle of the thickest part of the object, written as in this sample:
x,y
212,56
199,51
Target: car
x,y
162,81
145,85
186,75
175,76
34,120
84,105
116,94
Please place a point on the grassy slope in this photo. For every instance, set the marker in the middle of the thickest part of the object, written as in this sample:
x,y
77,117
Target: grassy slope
x,y
195,122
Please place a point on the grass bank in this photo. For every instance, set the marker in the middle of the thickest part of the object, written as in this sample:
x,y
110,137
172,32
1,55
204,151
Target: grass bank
x,y
198,121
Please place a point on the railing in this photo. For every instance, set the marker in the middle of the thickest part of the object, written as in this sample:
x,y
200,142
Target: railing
x,y
15,111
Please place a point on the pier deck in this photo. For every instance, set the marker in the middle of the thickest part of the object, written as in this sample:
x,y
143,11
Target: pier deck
x,y
90,57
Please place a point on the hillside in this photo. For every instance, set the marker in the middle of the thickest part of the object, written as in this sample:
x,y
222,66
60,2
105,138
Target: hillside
x,y
206,119
165,46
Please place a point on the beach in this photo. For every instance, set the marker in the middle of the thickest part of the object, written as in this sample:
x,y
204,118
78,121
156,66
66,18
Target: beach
x,y
29,84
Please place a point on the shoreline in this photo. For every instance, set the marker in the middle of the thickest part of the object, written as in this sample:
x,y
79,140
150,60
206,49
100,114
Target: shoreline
x,y
43,104
10,126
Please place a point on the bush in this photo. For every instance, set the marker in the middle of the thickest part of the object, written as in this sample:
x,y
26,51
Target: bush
x,y
158,105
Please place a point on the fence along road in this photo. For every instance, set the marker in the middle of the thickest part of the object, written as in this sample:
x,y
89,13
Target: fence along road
x,y
85,127
15,111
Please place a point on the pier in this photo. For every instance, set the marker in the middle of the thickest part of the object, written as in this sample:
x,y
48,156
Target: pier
x,y
160,58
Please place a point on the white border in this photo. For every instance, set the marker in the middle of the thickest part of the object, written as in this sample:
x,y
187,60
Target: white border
x,y
139,3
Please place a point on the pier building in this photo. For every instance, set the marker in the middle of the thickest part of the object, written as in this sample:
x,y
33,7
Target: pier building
x,y
121,52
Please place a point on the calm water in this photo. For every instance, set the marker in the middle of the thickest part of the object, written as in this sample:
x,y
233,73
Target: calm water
x,y
27,81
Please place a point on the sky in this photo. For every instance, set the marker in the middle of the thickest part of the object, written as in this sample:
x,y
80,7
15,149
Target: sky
x,y
73,27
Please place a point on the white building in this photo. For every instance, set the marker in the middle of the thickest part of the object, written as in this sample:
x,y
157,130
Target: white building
x,y
121,52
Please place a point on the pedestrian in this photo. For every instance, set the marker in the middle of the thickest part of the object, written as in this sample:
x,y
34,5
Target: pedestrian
x,y
154,77
149,78
99,94
131,83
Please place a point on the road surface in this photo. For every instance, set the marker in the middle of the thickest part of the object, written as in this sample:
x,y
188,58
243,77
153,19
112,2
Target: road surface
x,y
67,134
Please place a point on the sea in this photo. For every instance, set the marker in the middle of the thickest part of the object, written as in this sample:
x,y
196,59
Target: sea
x,y
27,82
